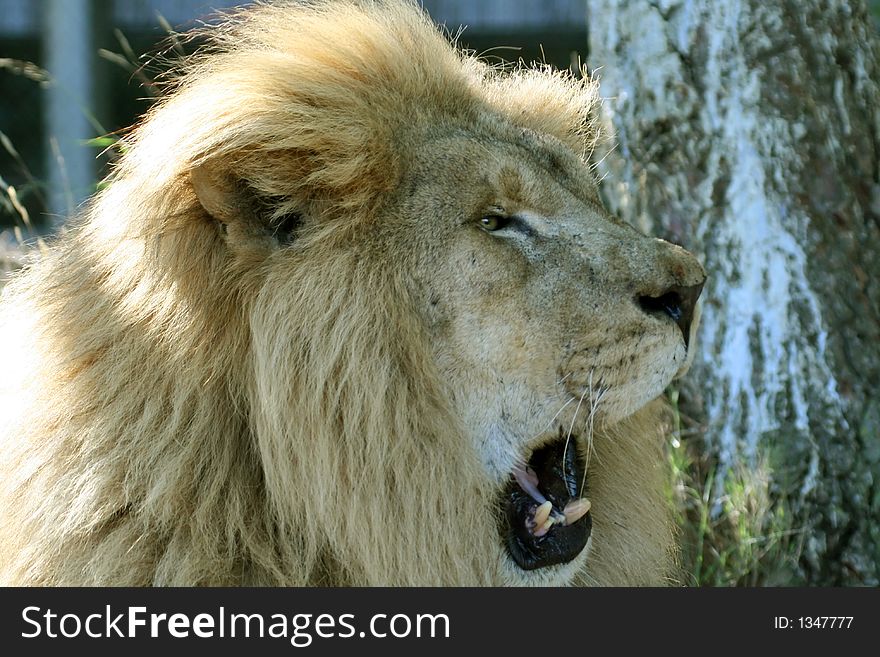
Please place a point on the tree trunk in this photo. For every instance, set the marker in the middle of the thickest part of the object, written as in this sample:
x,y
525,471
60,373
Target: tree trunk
x,y
749,132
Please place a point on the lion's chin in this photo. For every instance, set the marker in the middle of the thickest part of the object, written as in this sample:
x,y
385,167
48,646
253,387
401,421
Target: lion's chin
x,y
547,519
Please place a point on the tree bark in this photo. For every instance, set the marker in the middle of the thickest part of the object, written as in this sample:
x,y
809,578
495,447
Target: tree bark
x,y
749,132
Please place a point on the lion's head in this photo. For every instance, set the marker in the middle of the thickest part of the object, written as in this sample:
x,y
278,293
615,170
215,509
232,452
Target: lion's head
x,y
350,311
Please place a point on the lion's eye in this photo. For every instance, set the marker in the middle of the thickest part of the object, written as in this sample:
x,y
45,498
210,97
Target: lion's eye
x,y
493,222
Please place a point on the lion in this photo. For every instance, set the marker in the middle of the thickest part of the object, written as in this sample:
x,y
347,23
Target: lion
x,y
349,311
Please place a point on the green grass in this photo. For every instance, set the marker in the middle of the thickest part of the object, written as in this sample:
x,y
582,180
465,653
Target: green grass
x,y
735,529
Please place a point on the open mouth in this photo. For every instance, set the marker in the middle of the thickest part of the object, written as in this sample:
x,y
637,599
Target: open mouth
x,y
547,520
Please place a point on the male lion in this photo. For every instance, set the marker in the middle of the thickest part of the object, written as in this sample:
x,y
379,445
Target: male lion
x,y
350,311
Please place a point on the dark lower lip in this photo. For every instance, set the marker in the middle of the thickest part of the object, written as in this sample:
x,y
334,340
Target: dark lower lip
x,y
560,472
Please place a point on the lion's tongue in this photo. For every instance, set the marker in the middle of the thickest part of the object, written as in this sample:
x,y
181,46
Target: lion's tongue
x,y
528,481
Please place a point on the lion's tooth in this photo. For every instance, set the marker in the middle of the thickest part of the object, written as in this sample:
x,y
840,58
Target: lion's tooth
x,y
542,513
543,529
576,510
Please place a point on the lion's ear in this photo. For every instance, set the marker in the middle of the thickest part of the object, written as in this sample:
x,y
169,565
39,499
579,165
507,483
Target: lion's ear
x,y
217,195
240,209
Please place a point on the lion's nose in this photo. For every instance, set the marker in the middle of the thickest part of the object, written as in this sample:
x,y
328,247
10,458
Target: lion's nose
x,y
677,302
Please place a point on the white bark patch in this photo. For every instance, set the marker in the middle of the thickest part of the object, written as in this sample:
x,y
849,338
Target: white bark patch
x,y
762,356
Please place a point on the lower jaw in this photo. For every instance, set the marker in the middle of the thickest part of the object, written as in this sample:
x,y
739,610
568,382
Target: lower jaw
x,y
571,573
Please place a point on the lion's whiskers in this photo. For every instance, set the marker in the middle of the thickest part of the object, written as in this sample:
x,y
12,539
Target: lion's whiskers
x,y
520,461
594,405
574,419
552,420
